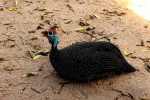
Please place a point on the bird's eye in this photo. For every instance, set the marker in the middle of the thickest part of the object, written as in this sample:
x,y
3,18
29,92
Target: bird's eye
x,y
50,33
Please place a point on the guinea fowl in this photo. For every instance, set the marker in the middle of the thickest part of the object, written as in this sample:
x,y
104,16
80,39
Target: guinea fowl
x,y
84,61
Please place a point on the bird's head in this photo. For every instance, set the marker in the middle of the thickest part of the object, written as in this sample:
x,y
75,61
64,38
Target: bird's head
x,y
51,35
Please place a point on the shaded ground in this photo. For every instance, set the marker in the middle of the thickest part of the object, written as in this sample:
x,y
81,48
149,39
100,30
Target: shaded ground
x,y
19,34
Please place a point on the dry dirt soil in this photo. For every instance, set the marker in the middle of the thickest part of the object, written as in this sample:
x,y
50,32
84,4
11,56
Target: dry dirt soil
x,y
20,32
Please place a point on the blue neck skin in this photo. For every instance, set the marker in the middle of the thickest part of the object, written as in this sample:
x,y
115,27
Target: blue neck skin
x,y
53,39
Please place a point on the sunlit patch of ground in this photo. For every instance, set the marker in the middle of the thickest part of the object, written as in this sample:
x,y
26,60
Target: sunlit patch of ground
x,y
140,7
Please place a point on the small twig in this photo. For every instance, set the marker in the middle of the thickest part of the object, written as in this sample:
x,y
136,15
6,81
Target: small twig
x,y
131,96
96,25
117,97
122,94
105,36
36,90
22,90
91,35
141,43
70,7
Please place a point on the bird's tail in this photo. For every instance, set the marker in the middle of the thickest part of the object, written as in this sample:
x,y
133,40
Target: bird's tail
x,y
128,67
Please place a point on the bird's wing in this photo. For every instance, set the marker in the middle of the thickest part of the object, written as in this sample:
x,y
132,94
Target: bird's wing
x,y
99,46
99,56
99,60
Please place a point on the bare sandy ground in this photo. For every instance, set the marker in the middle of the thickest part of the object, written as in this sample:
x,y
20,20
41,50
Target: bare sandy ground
x,y
20,33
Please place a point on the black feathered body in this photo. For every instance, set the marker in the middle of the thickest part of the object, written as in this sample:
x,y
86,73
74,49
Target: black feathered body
x,y
86,61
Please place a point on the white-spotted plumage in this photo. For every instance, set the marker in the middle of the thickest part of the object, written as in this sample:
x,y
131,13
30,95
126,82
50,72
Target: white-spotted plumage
x,y
89,61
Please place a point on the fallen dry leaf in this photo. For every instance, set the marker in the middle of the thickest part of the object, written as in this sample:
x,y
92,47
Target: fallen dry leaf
x,y
146,59
31,31
17,1
90,29
33,38
30,74
65,18
121,14
68,22
147,67
56,9
144,98
126,53
41,1
40,9
80,30
47,22
1,9
145,50
112,13
43,53
13,45
39,27
14,8
83,24
37,57
2,59
7,24
96,16
28,1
